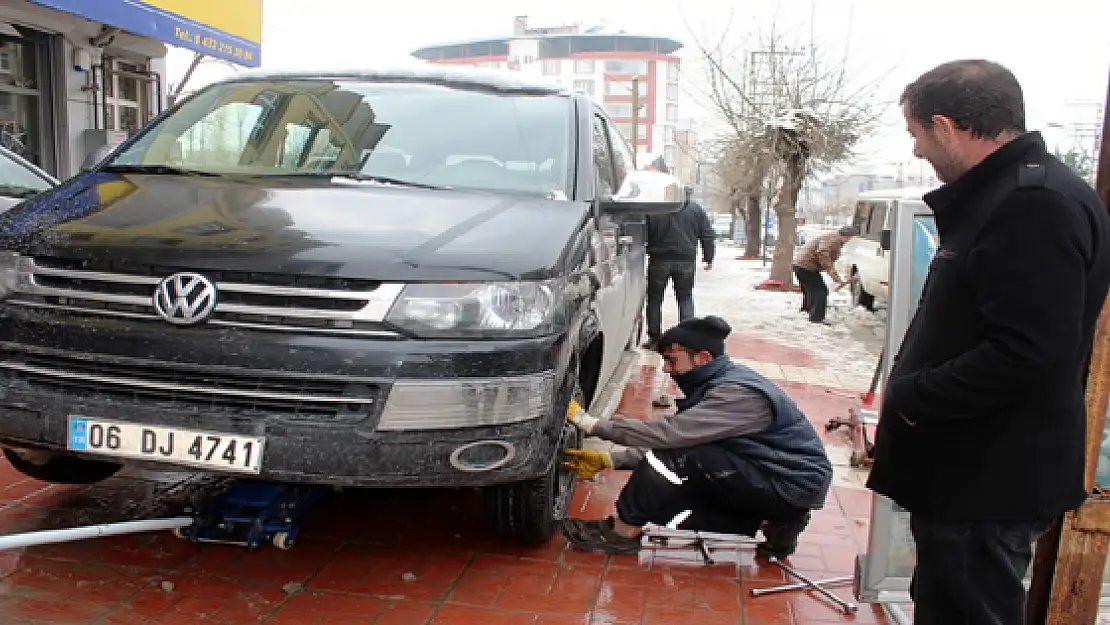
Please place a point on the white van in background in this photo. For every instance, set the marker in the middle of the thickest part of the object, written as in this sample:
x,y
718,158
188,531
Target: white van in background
x,y
862,259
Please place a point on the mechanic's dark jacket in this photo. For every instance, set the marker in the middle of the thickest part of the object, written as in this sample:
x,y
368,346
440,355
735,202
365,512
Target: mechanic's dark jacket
x,y
732,406
675,236
983,416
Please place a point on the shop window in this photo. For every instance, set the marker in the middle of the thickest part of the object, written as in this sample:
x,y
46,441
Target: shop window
x,y
585,86
552,67
584,67
127,96
626,67
672,71
20,99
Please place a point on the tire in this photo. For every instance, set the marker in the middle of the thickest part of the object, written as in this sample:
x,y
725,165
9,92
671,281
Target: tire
x,y
64,469
529,512
861,297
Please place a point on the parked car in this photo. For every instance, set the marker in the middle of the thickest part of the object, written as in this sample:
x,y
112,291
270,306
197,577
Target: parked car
x,y
20,179
862,259
298,278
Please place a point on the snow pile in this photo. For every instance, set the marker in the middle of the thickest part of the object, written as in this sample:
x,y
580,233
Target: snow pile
x,y
850,345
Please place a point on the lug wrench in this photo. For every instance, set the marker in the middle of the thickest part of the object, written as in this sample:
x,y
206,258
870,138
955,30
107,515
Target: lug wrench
x,y
759,592
847,606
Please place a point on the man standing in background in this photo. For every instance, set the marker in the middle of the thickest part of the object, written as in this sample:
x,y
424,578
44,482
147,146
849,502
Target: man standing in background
x,y
672,249
816,256
983,423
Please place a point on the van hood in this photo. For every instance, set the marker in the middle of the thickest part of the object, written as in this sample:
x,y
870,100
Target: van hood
x,y
310,226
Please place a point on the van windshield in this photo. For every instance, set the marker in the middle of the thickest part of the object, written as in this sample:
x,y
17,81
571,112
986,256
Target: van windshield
x,y
421,133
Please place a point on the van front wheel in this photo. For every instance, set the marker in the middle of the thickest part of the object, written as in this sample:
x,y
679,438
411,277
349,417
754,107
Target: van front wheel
x,y
861,297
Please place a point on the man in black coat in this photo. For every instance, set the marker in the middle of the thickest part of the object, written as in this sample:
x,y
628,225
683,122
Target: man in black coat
x,y
982,429
672,249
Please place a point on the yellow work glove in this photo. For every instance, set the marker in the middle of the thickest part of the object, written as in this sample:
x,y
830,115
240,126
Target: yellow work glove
x,y
580,418
587,463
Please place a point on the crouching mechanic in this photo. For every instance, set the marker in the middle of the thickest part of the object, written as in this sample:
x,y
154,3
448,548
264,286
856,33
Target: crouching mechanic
x,y
738,456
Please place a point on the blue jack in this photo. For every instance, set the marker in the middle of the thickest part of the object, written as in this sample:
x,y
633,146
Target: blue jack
x,y
251,514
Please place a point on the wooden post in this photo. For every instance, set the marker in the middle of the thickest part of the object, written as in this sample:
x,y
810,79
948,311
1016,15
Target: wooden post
x,y
1070,559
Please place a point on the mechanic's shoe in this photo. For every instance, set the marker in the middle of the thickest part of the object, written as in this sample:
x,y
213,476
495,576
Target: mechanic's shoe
x,y
782,537
599,536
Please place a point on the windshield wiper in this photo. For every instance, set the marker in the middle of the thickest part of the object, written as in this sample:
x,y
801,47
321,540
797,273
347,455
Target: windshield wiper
x,y
357,177
161,170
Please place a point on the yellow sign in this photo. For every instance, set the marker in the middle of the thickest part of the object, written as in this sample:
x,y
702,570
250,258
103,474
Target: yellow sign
x,y
240,18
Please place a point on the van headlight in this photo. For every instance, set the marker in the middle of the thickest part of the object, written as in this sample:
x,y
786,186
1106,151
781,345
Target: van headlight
x,y
480,310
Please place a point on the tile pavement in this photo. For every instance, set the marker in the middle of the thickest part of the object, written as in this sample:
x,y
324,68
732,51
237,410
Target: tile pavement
x,y
409,557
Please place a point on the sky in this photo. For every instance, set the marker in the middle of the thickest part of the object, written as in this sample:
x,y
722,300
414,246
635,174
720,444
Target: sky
x,y
1060,50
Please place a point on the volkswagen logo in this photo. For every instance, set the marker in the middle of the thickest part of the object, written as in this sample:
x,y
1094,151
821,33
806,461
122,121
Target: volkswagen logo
x,y
185,299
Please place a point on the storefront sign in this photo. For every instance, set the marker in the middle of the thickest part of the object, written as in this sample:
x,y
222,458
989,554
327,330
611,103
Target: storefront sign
x,y
225,30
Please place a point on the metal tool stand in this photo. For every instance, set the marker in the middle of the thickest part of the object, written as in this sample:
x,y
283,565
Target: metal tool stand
x,y
859,418
663,545
251,514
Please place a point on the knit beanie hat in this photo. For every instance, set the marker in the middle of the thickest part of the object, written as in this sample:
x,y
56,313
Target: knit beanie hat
x,y
698,334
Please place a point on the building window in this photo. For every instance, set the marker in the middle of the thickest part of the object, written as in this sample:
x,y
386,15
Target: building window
x,y
622,88
626,67
126,96
672,91
626,132
672,71
618,110
552,67
488,64
668,134
672,112
669,154
585,86
584,67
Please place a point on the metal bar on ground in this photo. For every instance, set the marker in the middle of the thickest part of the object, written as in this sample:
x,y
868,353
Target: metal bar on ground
x,y
70,534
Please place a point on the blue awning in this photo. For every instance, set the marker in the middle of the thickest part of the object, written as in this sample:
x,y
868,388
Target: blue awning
x,y
223,29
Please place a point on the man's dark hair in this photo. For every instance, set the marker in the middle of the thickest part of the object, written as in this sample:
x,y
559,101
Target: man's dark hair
x,y
980,96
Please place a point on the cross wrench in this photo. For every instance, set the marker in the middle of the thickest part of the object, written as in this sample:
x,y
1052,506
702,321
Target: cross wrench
x,y
759,592
847,606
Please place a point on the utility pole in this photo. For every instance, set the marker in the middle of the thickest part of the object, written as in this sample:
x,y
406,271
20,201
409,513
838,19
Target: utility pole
x,y
635,119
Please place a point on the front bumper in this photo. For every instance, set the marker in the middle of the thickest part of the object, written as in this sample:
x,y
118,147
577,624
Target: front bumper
x,y
349,446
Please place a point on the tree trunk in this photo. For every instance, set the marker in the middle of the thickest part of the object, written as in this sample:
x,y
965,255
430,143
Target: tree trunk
x,y
753,227
785,208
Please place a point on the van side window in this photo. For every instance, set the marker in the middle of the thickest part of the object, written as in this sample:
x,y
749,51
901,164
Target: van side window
x,y
603,159
875,223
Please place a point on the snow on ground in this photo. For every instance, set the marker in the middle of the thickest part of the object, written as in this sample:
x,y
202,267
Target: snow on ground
x,y
850,345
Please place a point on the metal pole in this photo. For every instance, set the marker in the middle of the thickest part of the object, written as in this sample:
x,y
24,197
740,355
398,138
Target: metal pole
x,y
47,537
635,120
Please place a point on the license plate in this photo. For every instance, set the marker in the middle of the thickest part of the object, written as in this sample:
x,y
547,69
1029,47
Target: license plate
x,y
210,450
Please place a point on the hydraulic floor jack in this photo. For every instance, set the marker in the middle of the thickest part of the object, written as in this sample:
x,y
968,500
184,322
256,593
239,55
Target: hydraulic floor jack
x,y
664,545
247,514
859,418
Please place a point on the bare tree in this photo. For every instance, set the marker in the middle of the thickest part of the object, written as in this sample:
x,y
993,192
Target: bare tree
x,y
791,112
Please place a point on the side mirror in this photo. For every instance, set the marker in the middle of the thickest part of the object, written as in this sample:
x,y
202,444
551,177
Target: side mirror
x,y
96,157
884,240
646,193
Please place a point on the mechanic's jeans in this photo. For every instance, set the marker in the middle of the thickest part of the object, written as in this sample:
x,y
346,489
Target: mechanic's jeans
x,y
702,488
815,293
971,573
659,272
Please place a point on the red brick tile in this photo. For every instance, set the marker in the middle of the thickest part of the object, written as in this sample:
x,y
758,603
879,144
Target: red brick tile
x,y
815,609
769,610
663,615
382,571
467,615
763,350
855,503
617,603
308,607
406,613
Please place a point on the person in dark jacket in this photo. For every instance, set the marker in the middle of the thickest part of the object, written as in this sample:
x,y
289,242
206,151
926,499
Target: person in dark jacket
x,y
739,454
982,427
672,248
817,256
